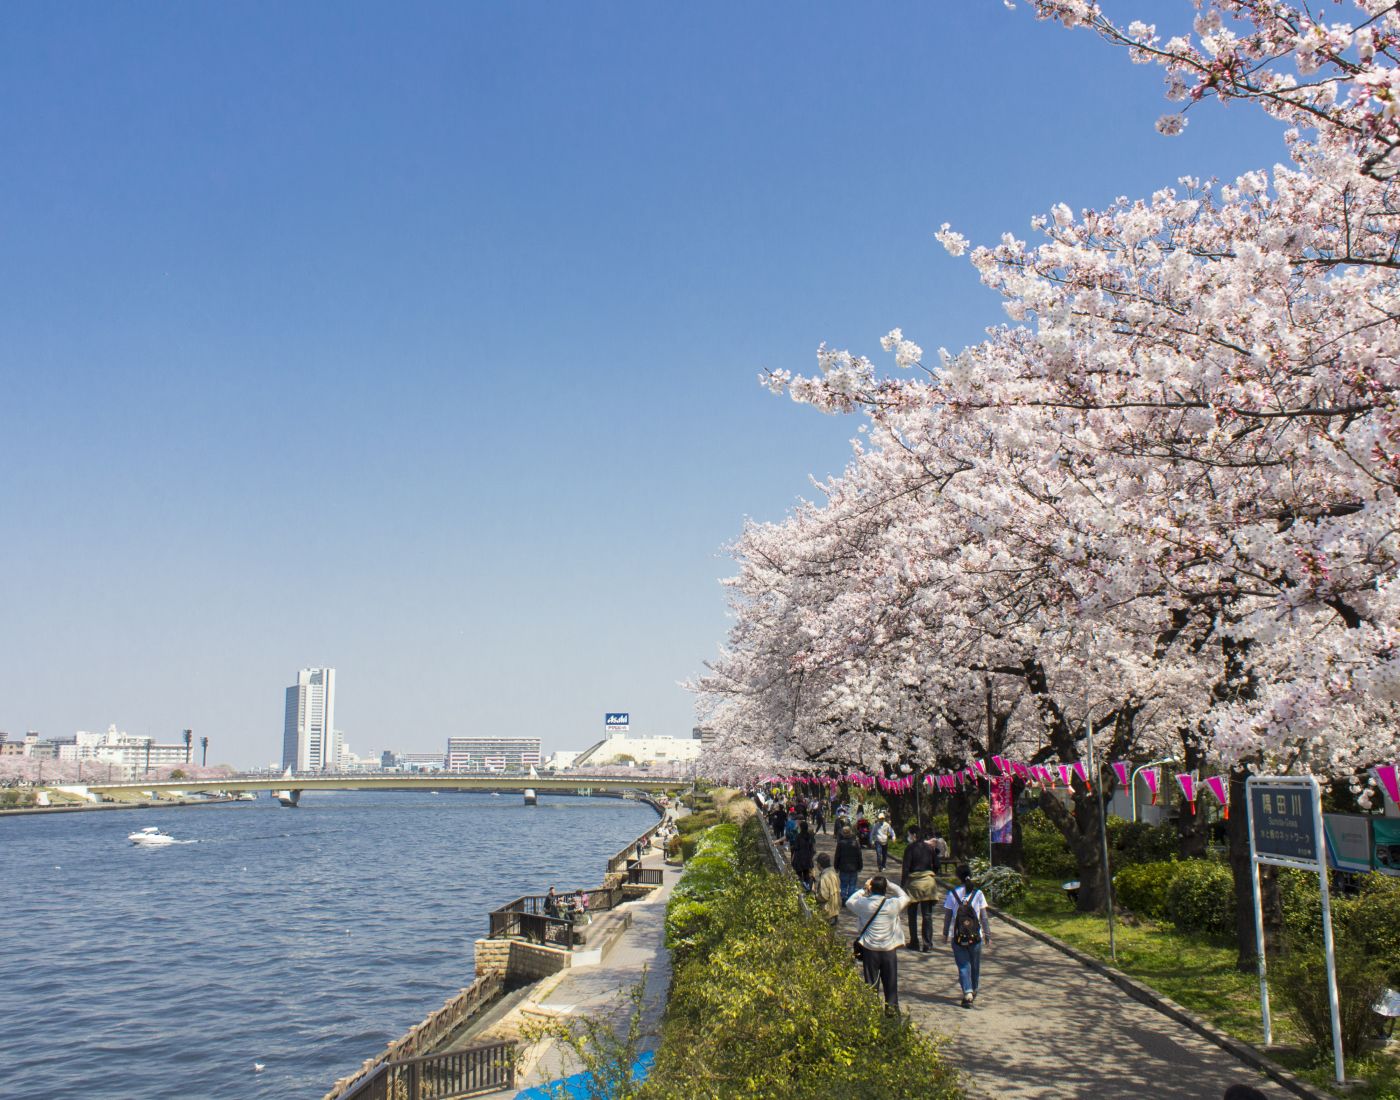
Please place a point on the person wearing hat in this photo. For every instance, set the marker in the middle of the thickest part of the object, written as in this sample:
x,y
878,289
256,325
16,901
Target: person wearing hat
x,y
881,837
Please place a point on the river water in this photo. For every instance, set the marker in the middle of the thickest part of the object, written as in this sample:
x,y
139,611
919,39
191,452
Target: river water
x,y
303,940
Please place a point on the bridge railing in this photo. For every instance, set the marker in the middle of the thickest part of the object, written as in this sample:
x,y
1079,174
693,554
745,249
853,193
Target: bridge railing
x,y
453,1074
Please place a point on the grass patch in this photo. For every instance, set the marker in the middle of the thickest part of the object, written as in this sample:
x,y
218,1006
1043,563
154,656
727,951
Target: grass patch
x,y
1198,972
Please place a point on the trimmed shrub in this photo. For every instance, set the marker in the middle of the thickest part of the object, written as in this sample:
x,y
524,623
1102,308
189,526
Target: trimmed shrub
x,y
1202,898
1146,888
1196,895
1046,853
1139,842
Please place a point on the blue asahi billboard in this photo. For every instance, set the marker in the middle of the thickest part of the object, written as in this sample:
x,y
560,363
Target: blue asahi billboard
x,y
617,722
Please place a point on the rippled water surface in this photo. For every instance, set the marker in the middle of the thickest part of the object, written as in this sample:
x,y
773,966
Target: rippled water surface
x,y
300,939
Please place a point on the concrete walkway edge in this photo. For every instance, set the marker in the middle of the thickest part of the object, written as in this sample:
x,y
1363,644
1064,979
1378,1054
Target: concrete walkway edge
x,y
1246,1053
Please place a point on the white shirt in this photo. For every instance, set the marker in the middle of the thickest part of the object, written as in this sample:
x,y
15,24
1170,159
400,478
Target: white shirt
x,y
954,897
883,833
886,931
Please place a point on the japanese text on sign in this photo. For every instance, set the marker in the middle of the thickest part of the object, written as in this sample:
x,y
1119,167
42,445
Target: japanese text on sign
x,y
1284,822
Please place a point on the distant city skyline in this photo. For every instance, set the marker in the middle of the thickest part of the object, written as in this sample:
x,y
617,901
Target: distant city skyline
x,y
426,348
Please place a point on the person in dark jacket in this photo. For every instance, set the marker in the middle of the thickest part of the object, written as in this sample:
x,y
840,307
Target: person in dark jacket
x,y
804,850
921,884
849,862
777,821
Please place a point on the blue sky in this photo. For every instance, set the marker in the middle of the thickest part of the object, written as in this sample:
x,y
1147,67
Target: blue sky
x,y
422,340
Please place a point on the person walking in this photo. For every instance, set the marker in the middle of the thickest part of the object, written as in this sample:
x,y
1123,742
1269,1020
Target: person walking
x,y
919,880
965,915
849,861
881,838
790,828
878,907
804,849
828,889
940,850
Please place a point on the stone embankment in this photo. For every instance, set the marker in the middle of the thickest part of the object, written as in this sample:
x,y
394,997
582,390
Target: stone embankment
x,y
518,981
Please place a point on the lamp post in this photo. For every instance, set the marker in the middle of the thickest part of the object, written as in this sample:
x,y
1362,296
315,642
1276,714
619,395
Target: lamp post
x,y
1103,833
204,749
1132,784
189,745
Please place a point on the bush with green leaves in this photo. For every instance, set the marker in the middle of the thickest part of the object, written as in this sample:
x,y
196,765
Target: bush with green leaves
x,y
1368,921
1301,980
1139,842
1145,888
1046,853
1202,898
765,1004
1196,895
1001,885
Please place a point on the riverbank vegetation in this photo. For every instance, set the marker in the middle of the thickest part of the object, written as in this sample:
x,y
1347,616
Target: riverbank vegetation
x,y
764,1001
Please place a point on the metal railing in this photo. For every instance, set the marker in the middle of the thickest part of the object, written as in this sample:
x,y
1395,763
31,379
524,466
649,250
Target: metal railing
x,y
453,1074
529,917
644,876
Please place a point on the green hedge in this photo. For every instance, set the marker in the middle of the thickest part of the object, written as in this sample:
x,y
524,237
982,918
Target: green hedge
x,y
1196,895
765,1003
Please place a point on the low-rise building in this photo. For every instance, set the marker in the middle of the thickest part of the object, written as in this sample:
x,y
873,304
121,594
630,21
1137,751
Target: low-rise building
x,y
133,754
624,749
492,754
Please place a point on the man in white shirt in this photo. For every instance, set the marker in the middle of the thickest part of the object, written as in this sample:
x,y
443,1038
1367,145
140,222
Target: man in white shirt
x,y
881,837
878,908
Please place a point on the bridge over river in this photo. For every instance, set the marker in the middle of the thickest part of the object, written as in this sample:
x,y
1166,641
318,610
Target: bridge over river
x,y
289,788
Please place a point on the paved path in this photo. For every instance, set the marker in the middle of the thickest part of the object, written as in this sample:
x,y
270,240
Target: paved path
x,y
1046,1026
597,991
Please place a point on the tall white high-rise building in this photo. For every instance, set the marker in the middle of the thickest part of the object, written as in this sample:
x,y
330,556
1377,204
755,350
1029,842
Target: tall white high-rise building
x,y
310,741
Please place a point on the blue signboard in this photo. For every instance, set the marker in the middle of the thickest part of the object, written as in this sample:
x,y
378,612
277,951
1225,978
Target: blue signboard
x,y
1284,820
614,720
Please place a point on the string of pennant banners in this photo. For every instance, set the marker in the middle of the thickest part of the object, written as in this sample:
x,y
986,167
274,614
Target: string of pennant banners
x,y
1038,774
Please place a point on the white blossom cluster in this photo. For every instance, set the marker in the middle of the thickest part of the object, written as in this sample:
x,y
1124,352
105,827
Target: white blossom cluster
x,y
1165,492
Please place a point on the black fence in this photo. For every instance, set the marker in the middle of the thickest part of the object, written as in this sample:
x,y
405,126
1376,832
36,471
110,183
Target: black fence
x,y
472,1071
531,917
644,876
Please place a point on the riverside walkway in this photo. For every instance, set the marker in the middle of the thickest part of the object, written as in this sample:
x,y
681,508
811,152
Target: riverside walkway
x,y
596,992
1044,1025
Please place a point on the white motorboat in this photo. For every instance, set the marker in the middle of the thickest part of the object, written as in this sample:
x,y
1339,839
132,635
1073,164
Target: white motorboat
x,y
151,837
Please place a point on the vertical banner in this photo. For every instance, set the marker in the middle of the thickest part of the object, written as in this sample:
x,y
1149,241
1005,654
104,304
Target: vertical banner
x,y
1001,810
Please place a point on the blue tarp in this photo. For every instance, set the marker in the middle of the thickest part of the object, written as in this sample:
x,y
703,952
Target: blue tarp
x,y
577,1086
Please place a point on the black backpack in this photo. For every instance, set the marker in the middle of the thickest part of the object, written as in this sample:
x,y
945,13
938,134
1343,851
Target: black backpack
x,y
967,929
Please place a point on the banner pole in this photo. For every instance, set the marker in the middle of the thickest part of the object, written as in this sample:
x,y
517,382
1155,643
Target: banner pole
x,y
1103,839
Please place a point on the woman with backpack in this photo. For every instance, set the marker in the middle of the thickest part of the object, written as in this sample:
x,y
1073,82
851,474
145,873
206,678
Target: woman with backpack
x,y
965,916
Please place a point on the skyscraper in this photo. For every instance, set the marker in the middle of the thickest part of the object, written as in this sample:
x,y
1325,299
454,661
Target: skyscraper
x,y
310,741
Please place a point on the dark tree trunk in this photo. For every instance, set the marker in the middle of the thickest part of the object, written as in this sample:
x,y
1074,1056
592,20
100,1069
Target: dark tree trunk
x,y
1192,832
1237,831
1079,825
959,828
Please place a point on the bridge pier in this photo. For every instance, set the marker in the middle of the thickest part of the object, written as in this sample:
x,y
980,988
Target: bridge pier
x,y
290,799
531,799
